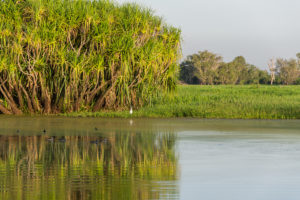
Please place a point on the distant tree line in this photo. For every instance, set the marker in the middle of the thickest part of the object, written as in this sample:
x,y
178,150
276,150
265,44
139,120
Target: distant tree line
x,y
207,68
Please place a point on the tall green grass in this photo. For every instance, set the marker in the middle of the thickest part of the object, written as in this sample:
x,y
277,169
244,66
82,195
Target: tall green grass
x,y
228,102
70,55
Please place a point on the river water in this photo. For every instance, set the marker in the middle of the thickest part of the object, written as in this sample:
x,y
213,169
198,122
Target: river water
x,y
93,158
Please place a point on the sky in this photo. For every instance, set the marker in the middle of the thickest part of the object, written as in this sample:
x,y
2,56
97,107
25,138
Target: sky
x,y
256,29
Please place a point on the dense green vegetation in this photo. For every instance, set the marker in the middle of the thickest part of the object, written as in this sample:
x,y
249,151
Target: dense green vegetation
x,y
79,57
70,55
222,101
287,71
206,68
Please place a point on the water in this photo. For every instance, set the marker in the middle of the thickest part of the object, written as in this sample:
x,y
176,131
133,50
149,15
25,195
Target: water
x,y
89,158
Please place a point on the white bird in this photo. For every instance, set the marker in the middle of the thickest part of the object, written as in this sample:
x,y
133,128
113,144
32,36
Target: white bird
x,y
131,111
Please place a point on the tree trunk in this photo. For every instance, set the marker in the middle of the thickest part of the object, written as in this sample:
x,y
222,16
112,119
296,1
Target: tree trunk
x,y
4,110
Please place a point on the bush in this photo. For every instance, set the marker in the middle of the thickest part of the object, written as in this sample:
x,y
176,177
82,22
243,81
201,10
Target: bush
x,y
69,55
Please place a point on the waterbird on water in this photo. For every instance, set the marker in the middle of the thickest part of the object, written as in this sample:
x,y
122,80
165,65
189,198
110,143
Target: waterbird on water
x,y
94,142
62,139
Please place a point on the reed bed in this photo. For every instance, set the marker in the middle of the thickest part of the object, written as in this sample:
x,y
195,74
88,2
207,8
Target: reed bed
x,y
59,56
222,101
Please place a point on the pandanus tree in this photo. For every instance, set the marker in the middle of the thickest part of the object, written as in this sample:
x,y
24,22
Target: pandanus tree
x,y
69,55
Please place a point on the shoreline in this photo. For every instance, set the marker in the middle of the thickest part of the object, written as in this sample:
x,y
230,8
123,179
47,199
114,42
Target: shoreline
x,y
214,102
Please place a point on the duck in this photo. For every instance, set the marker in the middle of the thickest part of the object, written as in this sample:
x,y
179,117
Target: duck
x,y
94,142
62,139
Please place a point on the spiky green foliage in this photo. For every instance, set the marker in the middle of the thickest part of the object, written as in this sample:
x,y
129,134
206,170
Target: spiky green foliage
x,y
62,55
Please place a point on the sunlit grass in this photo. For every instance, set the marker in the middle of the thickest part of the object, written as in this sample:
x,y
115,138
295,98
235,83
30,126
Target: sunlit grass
x,y
232,102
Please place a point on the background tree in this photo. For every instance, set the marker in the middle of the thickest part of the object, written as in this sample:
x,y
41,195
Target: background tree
x,y
264,77
187,71
272,69
200,68
253,75
207,68
240,70
227,73
288,71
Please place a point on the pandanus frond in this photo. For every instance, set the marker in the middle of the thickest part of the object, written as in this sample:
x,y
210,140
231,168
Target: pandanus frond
x,y
68,55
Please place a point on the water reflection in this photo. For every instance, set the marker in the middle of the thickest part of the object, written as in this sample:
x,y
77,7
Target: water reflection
x,y
108,166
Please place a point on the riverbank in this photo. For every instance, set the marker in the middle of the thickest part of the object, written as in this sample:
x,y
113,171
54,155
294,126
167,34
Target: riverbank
x,y
218,102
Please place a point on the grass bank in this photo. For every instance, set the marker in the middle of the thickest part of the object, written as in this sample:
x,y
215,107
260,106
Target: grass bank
x,y
230,102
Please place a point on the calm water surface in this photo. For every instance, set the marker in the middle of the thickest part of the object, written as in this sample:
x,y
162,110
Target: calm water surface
x,y
89,158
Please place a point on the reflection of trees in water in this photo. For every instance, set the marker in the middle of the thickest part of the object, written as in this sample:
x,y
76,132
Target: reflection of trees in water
x,y
111,166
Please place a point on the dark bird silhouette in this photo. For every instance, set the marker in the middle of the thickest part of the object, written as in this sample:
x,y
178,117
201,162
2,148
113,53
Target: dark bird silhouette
x,y
62,139
44,131
18,131
96,129
94,142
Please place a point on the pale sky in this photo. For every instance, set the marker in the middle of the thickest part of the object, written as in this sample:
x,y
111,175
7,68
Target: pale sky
x,y
255,29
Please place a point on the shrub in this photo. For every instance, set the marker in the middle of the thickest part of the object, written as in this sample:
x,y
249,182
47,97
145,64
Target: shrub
x,y
69,55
